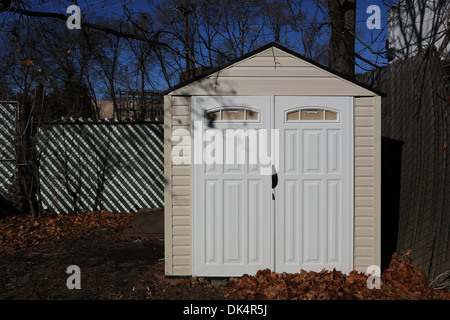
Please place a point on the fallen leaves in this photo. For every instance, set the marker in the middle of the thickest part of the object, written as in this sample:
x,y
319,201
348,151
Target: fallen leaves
x,y
402,280
19,232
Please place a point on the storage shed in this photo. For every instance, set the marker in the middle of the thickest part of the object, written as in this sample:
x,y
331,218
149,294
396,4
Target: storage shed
x,y
271,161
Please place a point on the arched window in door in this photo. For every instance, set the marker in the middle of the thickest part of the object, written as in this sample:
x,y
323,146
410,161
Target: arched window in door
x,y
306,114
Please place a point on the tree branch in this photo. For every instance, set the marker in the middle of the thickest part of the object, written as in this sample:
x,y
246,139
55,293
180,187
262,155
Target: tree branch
x,y
366,61
62,17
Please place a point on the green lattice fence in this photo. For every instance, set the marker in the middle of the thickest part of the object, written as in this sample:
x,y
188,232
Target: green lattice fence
x,y
87,166
7,154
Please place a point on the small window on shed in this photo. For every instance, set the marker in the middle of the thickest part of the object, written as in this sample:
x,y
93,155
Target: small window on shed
x,y
311,114
233,114
330,115
294,115
214,115
252,115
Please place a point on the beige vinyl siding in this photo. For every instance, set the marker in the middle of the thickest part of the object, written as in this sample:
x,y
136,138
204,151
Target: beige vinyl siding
x,y
367,183
272,71
168,184
178,224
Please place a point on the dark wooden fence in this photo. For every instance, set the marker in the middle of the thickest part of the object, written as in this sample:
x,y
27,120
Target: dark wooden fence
x,y
415,124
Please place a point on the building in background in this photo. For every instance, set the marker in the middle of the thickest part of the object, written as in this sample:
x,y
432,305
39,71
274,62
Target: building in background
x,y
413,25
106,109
132,105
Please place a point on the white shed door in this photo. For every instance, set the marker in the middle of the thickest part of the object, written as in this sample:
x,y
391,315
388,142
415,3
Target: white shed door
x,y
238,227
313,206
232,231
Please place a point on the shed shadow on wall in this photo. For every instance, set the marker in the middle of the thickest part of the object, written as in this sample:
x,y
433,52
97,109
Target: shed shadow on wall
x,y
391,158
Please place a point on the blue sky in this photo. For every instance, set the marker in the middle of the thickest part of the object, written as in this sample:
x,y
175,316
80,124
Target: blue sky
x,y
377,37
374,37
113,7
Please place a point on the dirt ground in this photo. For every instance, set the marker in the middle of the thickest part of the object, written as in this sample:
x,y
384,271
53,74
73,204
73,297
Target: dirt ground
x,y
35,255
122,268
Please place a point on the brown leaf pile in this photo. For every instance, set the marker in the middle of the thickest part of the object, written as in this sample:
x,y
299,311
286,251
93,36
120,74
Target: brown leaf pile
x,y
402,280
20,232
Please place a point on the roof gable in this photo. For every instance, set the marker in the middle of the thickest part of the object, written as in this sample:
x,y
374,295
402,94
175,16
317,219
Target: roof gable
x,y
272,67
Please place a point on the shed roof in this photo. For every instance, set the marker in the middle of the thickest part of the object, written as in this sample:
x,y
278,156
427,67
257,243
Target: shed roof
x,y
261,49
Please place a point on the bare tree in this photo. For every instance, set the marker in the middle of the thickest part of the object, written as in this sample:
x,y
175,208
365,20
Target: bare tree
x,y
342,15
176,37
106,55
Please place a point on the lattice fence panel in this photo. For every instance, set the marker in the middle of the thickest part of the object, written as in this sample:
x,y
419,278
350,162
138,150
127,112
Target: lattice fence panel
x,y
7,153
87,166
114,167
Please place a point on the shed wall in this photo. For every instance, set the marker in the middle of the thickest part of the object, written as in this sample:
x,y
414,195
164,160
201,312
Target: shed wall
x,y
274,72
178,211
367,206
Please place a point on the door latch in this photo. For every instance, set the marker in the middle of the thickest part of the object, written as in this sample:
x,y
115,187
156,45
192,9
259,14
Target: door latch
x,y
274,181
274,177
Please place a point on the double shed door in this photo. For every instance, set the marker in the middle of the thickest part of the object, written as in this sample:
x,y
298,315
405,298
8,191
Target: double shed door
x,y
240,223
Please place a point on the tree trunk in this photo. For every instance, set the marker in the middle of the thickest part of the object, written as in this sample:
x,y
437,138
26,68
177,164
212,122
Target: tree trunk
x,y
342,41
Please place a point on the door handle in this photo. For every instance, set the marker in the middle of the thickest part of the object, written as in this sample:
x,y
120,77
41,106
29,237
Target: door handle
x,y
274,177
274,181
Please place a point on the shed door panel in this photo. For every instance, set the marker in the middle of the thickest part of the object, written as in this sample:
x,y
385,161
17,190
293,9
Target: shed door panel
x,y
237,227
313,206
232,232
